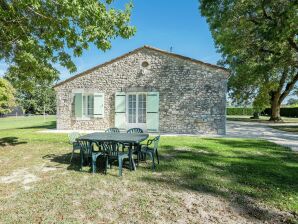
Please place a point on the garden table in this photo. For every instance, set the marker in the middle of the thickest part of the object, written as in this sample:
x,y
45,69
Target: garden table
x,y
130,139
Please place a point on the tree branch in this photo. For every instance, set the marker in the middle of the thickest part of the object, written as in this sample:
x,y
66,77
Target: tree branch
x,y
282,80
293,44
39,14
264,11
289,87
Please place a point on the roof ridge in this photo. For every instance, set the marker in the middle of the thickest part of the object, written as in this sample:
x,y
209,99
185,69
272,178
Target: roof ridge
x,y
134,51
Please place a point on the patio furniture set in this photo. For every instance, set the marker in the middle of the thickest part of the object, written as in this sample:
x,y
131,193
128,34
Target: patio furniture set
x,y
113,146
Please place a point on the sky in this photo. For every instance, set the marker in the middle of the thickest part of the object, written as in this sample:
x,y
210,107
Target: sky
x,y
160,23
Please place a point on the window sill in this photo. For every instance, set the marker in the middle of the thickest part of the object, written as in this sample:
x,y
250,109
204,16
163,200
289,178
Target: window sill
x,y
86,118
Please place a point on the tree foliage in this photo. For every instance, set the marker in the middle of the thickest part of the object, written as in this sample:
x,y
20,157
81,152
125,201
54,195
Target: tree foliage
x,y
40,99
7,99
292,102
37,34
259,43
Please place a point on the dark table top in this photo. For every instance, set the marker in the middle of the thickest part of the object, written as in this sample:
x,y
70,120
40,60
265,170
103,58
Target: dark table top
x,y
135,138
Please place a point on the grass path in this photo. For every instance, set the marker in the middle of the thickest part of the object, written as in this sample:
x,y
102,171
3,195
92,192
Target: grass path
x,y
198,181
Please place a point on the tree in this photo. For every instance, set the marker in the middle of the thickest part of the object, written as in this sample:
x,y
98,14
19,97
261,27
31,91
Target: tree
x,y
37,34
41,99
292,102
7,100
259,44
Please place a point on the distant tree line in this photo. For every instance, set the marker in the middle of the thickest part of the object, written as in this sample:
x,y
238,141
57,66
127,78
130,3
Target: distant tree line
x,y
40,99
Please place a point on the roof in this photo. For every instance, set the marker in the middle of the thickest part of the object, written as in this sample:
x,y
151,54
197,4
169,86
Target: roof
x,y
135,51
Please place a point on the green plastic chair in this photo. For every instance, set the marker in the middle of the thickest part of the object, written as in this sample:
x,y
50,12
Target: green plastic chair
x,y
135,130
112,130
151,151
132,131
72,139
95,154
114,154
85,152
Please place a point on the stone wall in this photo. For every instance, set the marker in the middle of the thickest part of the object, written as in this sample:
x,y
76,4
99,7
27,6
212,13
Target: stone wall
x,y
192,95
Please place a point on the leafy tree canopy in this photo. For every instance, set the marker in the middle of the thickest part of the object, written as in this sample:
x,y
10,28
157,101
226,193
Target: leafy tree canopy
x,y
36,34
41,99
7,100
292,101
259,43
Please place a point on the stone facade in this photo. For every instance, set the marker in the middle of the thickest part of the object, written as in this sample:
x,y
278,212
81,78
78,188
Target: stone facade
x,y
192,93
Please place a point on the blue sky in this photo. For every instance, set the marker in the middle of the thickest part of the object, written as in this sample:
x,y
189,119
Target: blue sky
x,y
162,24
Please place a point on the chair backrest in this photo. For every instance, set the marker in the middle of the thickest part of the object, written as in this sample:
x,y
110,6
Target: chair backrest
x,y
73,136
111,148
135,130
154,141
110,130
86,146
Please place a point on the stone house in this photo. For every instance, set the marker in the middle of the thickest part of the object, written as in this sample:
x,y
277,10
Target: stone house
x,y
148,88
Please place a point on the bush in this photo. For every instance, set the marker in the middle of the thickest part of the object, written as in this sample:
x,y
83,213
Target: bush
x,y
284,111
240,111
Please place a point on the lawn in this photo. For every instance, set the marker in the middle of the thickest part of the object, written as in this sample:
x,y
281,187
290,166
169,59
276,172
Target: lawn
x,y
263,119
198,181
292,128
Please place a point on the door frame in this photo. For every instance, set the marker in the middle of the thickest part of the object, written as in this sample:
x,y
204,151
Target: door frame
x,y
143,126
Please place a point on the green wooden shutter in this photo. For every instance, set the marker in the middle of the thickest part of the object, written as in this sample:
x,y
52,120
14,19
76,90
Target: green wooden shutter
x,y
98,110
78,105
120,110
152,111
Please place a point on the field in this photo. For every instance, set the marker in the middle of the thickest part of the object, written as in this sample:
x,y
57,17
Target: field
x,y
199,180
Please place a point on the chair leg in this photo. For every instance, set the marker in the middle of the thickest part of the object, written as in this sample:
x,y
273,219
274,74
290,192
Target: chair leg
x,y
157,157
82,161
93,166
153,162
133,164
107,163
138,158
72,155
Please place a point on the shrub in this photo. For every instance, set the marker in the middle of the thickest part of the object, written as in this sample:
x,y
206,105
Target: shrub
x,y
284,111
240,111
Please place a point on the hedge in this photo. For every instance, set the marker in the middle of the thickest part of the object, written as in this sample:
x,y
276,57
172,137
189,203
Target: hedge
x,y
284,112
239,111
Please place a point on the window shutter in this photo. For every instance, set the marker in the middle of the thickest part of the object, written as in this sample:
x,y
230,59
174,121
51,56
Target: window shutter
x,y
98,106
120,110
152,111
78,105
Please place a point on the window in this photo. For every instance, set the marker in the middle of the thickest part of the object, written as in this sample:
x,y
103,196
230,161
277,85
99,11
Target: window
x,y
137,108
132,108
88,105
142,108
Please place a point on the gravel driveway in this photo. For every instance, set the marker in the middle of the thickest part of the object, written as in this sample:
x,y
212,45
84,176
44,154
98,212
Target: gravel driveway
x,y
236,129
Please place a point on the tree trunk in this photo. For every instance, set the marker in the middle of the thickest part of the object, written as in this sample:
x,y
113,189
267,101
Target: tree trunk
x,y
275,108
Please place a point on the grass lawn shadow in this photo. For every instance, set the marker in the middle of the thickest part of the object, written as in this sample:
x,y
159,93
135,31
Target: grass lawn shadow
x,y
47,125
65,159
246,172
10,141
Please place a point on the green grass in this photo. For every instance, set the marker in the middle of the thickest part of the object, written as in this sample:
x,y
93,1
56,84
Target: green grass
x,y
263,119
255,177
28,122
